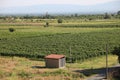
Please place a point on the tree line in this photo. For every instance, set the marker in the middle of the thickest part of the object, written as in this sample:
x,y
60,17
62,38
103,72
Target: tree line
x,y
69,16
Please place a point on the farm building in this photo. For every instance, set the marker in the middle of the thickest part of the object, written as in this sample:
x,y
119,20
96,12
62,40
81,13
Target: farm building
x,y
55,61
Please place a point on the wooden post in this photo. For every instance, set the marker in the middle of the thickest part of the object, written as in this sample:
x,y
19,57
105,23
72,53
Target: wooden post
x,y
106,61
70,55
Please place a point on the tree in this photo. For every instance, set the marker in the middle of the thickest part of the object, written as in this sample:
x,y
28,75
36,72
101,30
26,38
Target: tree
x,y
107,16
90,19
116,51
11,29
46,24
59,21
118,13
76,15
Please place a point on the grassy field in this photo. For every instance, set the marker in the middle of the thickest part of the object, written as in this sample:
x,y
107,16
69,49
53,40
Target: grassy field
x,y
25,69
37,31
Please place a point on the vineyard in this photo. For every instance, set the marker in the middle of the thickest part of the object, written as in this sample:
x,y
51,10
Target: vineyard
x,y
84,43
93,24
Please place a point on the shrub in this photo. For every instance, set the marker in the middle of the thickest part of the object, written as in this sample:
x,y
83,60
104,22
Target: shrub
x,y
59,21
11,29
118,13
107,16
47,24
116,51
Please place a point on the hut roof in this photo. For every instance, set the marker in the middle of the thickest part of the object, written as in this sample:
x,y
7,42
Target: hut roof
x,y
55,56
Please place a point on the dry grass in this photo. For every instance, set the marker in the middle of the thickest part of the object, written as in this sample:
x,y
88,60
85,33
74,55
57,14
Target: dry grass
x,y
25,69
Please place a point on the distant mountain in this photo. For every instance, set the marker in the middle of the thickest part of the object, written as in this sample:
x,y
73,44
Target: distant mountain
x,y
63,9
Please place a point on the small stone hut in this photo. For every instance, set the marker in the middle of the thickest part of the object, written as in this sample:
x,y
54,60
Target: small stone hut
x,y
55,61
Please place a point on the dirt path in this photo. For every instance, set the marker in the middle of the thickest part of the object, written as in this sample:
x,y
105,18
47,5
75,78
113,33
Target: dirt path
x,y
97,74
96,77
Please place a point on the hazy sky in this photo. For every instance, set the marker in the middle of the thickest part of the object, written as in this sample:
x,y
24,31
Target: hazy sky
x,y
40,6
15,3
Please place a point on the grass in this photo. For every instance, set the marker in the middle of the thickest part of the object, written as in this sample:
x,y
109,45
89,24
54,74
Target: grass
x,y
27,31
32,30
24,69
98,62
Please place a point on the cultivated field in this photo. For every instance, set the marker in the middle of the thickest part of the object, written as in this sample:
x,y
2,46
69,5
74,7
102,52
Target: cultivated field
x,y
38,41
85,40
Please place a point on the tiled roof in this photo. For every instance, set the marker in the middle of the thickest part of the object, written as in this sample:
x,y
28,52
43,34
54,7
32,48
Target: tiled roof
x,y
55,56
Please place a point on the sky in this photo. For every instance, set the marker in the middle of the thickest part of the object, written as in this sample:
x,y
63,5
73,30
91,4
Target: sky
x,y
58,6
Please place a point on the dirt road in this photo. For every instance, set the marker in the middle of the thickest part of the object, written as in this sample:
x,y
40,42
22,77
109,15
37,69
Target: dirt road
x,y
97,74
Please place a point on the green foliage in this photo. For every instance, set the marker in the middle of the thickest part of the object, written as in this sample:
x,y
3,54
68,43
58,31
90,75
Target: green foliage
x,y
90,25
28,18
83,45
11,29
47,24
107,16
76,15
59,21
90,19
118,13
116,51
